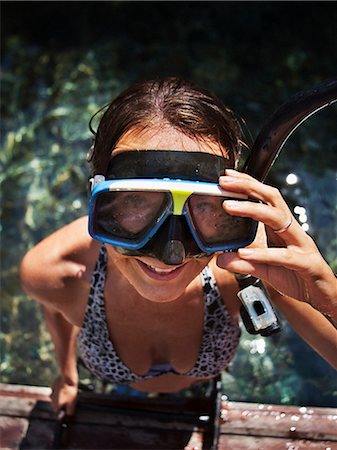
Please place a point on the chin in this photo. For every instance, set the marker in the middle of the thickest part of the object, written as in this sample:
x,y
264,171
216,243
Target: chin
x,y
159,297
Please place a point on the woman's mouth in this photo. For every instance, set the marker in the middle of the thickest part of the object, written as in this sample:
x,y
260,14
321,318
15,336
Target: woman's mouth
x,y
161,273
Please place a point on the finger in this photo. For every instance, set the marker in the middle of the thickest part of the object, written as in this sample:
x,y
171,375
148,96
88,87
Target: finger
x,y
278,217
237,174
233,263
284,257
272,217
71,407
253,188
267,214
68,406
56,405
244,186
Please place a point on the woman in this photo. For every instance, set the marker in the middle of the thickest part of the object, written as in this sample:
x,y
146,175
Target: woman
x,y
163,311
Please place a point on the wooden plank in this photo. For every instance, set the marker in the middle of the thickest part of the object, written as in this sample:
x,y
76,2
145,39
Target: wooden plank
x,y
25,408
12,432
281,421
22,391
228,442
18,407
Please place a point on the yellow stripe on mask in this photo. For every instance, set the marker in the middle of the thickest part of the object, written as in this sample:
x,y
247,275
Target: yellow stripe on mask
x,y
179,199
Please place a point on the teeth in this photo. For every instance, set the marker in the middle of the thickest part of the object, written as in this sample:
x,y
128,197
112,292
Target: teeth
x,y
157,270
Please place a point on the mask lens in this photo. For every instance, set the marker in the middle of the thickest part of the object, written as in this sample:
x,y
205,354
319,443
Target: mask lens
x,y
213,225
128,215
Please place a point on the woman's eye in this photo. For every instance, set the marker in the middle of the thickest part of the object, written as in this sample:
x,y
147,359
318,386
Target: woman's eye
x,y
133,201
203,207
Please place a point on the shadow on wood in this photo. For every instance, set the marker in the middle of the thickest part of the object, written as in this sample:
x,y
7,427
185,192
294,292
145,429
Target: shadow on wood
x,y
105,421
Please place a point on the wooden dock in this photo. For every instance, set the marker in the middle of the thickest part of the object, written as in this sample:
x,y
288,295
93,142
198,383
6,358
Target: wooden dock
x,y
114,422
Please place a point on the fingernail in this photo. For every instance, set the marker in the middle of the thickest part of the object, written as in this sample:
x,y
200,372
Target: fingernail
x,y
225,179
232,204
245,251
231,171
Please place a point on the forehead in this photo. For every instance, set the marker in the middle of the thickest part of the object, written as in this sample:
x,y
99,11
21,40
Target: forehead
x,y
164,138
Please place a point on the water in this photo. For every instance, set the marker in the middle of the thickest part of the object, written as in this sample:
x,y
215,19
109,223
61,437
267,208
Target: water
x,y
49,94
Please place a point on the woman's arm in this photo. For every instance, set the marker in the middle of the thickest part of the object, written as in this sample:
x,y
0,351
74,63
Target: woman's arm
x,y
56,272
305,288
310,324
63,335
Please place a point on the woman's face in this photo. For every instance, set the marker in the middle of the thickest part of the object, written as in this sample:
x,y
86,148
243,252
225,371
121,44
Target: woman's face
x,y
153,279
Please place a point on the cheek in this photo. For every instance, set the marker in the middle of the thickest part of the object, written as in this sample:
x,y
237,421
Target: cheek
x,y
122,262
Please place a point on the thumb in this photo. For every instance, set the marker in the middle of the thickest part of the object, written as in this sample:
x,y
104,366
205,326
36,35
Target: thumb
x,y
233,263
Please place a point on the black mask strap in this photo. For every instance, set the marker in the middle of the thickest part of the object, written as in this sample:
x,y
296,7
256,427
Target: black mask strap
x,y
196,166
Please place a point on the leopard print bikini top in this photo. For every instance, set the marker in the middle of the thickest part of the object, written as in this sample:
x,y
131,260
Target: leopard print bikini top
x,y
219,342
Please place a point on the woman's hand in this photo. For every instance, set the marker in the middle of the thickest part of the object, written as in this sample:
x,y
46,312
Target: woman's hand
x,y
64,395
284,256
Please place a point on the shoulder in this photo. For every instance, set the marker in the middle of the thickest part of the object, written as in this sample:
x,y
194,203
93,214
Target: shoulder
x,y
228,288
61,262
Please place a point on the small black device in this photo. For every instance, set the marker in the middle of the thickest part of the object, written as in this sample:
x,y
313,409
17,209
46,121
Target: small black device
x,y
257,312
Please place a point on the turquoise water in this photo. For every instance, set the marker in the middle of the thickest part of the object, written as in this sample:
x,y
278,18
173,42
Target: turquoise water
x,y
52,84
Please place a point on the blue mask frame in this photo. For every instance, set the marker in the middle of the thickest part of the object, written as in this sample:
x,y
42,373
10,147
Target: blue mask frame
x,y
178,192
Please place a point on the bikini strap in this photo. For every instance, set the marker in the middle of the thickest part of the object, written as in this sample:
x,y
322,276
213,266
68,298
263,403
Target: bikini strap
x,y
98,278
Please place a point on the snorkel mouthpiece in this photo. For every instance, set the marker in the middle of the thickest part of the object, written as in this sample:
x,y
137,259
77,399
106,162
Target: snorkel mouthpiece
x,y
173,243
171,249
174,253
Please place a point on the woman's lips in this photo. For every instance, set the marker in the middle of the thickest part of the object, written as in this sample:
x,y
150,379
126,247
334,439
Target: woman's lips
x,y
160,273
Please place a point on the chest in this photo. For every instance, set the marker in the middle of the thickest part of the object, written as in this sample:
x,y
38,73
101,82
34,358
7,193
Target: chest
x,y
144,333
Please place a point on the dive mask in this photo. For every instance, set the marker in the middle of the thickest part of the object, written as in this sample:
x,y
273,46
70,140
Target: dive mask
x,y
166,217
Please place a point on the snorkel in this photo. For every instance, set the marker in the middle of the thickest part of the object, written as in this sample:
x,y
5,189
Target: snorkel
x,y
256,310
283,123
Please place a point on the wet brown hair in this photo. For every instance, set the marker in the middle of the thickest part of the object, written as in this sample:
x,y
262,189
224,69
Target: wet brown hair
x,y
169,101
